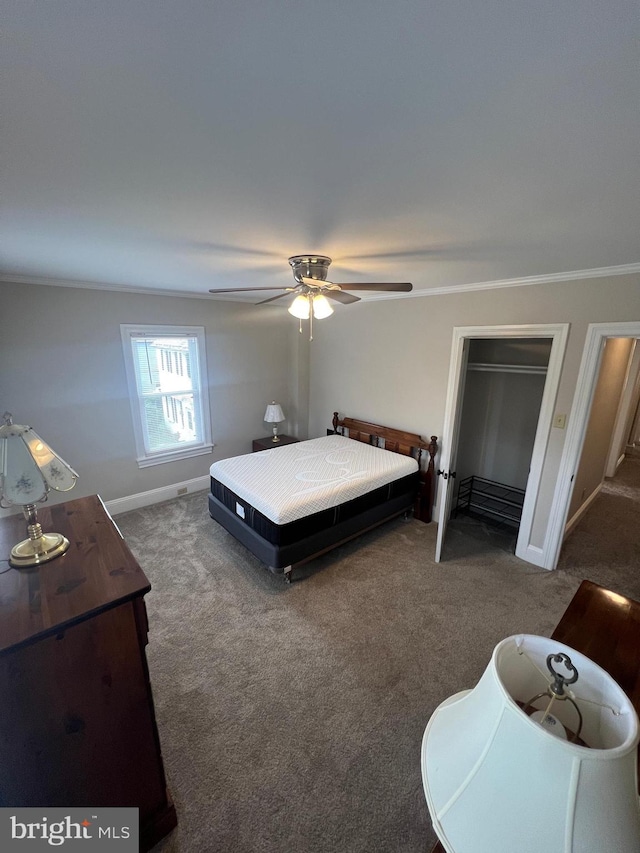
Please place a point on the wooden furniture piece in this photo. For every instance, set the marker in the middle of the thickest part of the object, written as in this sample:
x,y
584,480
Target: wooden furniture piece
x,y
398,441
604,626
268,442
282,547
78,724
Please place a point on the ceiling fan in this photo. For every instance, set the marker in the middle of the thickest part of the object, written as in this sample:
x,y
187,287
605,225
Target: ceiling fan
x,y
312,289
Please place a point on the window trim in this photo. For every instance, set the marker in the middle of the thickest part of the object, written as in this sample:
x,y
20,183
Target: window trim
x,y
144,457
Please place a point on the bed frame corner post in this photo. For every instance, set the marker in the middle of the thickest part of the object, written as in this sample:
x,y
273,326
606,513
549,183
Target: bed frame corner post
x,y
426,492
433,449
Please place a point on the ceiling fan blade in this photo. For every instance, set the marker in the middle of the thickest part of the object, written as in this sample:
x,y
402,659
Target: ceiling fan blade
x,y
271,298
396,286
340,296
249,289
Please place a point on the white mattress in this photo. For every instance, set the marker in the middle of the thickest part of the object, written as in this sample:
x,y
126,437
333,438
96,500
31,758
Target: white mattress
x,y
290,482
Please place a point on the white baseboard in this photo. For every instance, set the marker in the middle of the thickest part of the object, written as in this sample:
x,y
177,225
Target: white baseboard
x,y
156,496
575,518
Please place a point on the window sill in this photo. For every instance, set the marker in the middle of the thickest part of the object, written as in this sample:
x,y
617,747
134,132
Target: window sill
x,y
174,455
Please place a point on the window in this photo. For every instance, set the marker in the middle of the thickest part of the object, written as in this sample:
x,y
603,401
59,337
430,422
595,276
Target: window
x,y
167,381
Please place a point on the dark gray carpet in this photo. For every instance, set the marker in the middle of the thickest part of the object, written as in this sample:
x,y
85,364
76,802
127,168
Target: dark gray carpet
x,y
608,536
291,717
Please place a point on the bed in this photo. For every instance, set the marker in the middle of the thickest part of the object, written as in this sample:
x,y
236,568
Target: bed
x,y
290,504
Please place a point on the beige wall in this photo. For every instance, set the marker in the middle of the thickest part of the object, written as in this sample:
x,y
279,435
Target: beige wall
x,y
388,361
602,418
63,373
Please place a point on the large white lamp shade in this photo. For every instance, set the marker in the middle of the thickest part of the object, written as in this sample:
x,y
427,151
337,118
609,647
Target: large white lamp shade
x,y
496,781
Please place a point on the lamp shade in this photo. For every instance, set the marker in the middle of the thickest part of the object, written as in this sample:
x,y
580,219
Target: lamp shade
x,y
321,307
28,466
497,781
300,307
274,414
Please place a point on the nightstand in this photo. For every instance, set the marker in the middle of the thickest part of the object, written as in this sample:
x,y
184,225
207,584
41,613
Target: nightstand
x,y
268,442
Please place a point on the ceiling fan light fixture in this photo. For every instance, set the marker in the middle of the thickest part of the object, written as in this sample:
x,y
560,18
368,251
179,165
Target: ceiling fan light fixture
x,y
321,307
300,307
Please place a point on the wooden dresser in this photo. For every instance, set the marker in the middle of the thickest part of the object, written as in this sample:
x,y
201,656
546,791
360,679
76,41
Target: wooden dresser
x,y
78,724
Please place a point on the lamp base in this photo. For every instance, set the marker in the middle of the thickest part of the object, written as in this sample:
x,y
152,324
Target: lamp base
x,y
34,552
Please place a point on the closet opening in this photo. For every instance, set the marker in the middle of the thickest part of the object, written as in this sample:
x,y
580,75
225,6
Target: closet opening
x,y
506,380
502,394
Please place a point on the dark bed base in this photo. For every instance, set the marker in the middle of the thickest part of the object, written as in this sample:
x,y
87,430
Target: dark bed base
x,y
283,559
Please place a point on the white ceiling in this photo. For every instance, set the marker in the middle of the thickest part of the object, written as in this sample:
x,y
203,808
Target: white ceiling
x,y
193,144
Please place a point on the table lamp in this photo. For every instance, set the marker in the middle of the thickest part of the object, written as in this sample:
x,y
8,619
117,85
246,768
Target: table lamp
x,y
29,469
274,415
540,756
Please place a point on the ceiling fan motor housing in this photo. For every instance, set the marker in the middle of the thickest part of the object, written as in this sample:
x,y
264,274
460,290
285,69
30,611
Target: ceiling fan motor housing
x,y
310,266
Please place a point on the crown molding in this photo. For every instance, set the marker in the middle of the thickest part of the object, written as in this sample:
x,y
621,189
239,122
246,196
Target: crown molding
x,y
523,281
7,278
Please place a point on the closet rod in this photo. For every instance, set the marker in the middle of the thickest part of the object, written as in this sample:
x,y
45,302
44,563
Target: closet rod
x,y
507,368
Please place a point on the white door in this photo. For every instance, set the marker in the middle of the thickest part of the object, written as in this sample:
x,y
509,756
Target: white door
x,y
449,445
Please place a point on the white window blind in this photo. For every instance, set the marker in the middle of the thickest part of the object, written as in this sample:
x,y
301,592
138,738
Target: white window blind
x,y
167,381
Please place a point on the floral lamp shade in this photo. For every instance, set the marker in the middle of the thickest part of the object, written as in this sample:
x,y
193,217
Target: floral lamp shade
x,y
29,469
28,466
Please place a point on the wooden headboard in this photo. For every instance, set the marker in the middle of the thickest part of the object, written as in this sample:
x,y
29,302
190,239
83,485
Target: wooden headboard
x,y
398,441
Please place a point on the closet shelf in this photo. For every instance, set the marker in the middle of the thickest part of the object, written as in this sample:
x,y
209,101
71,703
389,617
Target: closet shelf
x,y
489,367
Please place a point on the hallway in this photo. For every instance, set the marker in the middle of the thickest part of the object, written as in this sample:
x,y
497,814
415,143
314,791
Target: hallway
x,y
604,547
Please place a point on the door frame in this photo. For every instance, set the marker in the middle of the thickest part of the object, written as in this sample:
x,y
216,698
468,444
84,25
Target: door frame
x,y
597,334
558,333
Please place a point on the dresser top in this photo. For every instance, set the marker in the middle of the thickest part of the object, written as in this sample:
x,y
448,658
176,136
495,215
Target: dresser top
x,y
97,572
605,626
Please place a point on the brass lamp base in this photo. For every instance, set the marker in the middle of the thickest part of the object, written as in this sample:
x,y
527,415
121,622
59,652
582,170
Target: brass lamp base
x,y
34,552
39,547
